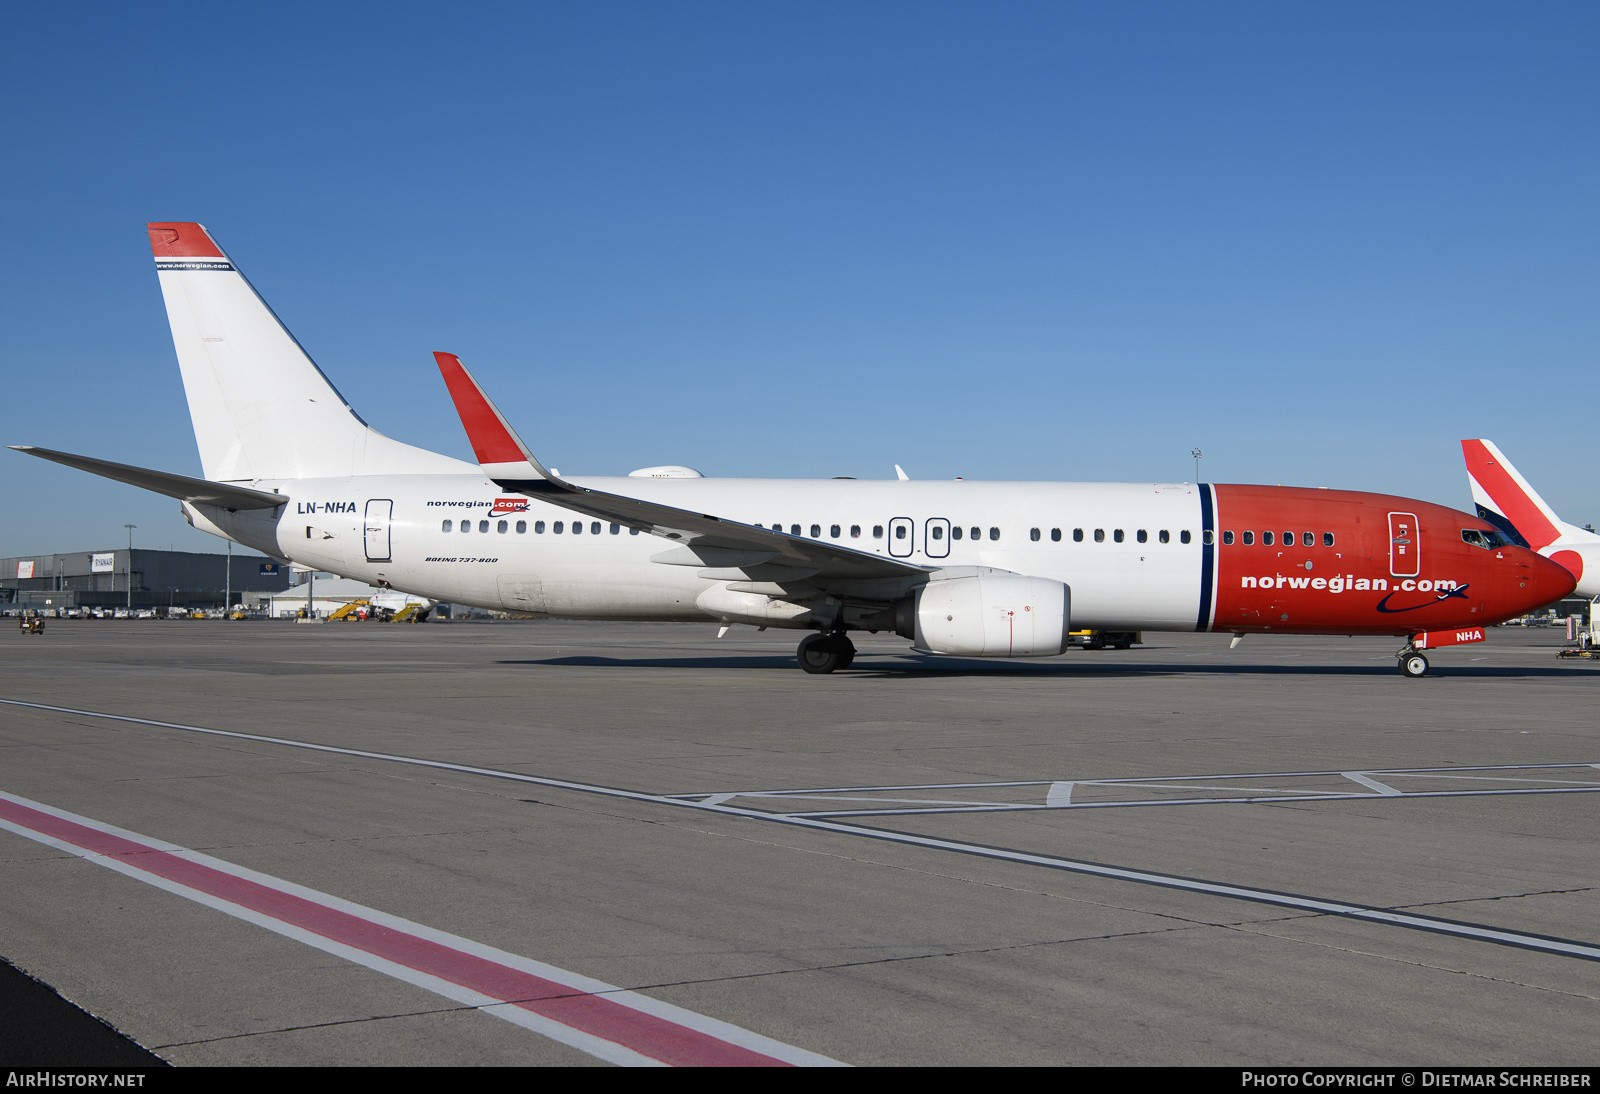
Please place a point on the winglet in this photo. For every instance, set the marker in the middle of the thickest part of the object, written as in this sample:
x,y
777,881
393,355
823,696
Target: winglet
x,y
1506,499
500,452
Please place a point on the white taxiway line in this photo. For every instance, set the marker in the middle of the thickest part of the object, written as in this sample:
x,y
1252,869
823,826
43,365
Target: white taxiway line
x,y
1544,943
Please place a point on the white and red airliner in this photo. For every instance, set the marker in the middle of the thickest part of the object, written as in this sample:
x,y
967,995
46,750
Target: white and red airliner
x,y
976,569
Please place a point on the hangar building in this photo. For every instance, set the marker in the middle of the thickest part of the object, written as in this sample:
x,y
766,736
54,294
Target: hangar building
x,y
77,579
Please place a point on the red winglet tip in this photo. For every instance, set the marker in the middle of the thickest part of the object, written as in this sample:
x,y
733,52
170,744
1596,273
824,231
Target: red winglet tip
x,y
490,439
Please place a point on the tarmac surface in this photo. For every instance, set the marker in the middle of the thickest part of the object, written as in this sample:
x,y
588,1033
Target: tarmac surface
x,y
576,843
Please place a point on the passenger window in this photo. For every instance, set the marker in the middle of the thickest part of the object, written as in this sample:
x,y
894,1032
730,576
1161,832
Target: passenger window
x,y
1099,535
522,527
1308,539
1249,538
466,526
938,533
1117,535
994,533
877,531
1183,536
855,531
1266,538
1166,536
1033,534
447,526
1055,535
816,531
1142,536
594,529
1077,535
794,529
483,526
833,531
1327,539
1288,539
955,533
633,531
1227,537
1206,537
615,529
558,527
900,531
503,527
977,533
577,527
538,527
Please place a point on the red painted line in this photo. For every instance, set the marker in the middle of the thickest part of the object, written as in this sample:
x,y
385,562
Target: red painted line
x,y
645,1034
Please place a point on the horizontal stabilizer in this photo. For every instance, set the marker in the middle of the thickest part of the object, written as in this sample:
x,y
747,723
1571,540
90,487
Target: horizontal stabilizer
x,y
182,487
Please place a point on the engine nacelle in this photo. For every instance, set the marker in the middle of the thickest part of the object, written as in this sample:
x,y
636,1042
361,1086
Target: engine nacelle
x,y
993,614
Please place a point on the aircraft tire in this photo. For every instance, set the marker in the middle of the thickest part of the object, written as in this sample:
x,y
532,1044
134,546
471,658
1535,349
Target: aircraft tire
x,y
1413,665
847,651
819,654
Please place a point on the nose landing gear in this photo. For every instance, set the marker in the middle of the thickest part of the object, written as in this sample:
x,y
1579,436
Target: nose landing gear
x,y
824,653
1412,663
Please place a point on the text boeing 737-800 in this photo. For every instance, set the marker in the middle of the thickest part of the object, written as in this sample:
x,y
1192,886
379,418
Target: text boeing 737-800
x,y
974,569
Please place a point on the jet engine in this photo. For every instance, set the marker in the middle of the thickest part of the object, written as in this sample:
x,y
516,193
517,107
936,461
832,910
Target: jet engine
x,y
990,613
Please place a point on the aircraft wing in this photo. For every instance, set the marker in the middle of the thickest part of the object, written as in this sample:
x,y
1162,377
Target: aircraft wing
x,y
198,491
744,551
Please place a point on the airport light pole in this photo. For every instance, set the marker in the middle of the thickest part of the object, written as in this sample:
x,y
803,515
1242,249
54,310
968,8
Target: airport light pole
x,y
1195,452
130,528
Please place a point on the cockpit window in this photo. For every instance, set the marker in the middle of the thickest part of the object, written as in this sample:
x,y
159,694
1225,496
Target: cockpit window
x,y
1488,540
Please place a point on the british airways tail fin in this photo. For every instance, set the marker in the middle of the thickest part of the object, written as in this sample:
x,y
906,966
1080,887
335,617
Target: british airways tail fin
x,y
261,407
1507,500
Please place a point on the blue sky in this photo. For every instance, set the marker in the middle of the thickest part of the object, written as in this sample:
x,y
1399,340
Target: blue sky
x,y
1024,241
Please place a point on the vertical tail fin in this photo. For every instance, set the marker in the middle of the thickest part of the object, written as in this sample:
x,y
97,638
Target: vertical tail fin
x,y
1505,499
261,407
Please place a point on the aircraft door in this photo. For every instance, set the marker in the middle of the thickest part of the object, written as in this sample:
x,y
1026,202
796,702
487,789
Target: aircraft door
x,y
1405,545
379,512
936,538
902,536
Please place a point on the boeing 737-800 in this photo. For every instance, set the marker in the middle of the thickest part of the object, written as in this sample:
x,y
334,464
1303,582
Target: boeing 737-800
x,y
974,569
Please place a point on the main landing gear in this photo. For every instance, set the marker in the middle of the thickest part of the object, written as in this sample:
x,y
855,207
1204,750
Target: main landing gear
x,y
1412,663
822,653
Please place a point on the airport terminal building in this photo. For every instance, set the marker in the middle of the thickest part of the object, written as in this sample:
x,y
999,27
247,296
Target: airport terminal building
x,y
140,578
